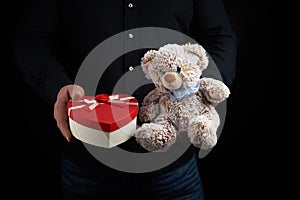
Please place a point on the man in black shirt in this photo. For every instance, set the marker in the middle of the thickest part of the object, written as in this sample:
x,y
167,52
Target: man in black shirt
x,y
53,39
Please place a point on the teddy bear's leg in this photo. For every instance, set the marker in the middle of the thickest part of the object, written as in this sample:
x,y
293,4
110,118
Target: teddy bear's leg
x,y
158,136
202,132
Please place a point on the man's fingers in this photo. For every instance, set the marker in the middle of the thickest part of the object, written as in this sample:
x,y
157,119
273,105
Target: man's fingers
x,y
61,117
66,93
214,104
64,129
76,92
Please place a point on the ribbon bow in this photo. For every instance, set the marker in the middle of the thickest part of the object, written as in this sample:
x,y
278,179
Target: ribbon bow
x,y
114,100
111,100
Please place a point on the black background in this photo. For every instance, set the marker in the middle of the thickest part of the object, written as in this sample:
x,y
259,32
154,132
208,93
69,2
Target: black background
x,y
232,170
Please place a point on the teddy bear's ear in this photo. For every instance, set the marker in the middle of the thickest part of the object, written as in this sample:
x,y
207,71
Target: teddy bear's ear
x,y
146,60
199,51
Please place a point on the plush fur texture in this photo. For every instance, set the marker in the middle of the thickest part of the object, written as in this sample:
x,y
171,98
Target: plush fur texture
x,y
181,101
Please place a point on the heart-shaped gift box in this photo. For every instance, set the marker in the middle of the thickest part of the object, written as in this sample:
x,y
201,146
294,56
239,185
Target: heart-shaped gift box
x,y
103,120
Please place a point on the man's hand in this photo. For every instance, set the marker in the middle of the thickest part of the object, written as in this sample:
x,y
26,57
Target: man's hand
x,y
66,93
214,104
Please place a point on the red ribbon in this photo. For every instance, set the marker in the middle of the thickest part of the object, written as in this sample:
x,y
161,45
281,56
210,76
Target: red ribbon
x,y
104,98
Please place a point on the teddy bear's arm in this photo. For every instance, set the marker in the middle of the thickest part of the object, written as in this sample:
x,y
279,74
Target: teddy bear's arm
x,y
214,90
150,106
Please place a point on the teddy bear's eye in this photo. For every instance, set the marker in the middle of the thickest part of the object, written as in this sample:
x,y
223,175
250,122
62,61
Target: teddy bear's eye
x,y
178,69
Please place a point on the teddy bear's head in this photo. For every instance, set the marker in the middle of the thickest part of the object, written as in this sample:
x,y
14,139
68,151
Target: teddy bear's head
x,y
175,68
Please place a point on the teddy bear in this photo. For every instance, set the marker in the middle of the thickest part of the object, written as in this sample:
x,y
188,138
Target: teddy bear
x,y
182,101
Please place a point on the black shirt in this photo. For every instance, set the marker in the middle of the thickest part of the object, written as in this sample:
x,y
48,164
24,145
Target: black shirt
x,y
55,36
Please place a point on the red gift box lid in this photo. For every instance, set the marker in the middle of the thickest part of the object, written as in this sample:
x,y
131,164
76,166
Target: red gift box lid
x,y
104,112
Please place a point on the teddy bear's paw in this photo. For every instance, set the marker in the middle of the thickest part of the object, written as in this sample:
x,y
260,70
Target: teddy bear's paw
x,y
155,137
214,90
200,133
216,94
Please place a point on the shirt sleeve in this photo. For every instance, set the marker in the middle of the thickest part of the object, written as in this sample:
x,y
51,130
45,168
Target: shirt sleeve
x,y
212,29
36,46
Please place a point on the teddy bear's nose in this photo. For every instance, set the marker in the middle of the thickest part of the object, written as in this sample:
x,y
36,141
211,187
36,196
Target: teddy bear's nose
x,y
169,78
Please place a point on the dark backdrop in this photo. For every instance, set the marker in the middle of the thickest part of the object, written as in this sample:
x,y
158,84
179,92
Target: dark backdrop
x,y
231,170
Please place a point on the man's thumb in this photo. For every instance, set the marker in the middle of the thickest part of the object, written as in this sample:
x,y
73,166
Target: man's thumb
x,y
76,92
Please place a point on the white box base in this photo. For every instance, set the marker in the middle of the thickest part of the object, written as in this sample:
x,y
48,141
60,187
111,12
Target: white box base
x,y
101,138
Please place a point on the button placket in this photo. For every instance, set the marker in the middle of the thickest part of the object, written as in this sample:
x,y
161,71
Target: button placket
x,y
129,23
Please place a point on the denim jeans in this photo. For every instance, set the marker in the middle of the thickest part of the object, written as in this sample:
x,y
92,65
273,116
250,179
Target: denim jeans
x,y
183,183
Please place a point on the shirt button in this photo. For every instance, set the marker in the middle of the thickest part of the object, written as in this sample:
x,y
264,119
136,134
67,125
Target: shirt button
x,y
130,35
130,5
130,68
